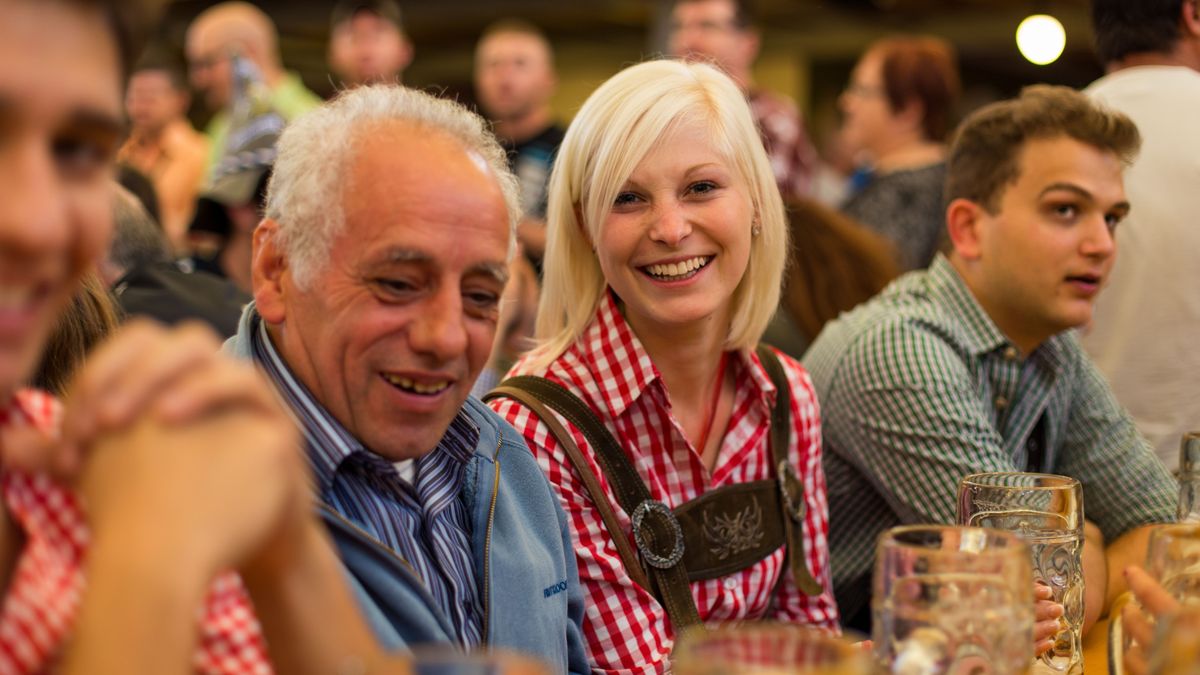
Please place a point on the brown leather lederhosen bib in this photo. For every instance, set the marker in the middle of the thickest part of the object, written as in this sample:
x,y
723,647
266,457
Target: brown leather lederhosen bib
x,y
713,535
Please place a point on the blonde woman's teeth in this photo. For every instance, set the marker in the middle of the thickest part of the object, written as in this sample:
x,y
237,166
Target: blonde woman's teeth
x,y
677,269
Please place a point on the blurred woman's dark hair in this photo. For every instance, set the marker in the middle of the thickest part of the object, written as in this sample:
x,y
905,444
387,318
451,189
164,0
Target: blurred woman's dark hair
x,y
834,265
90,318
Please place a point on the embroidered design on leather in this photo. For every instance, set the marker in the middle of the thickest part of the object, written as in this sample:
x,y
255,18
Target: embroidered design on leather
x,y
730,534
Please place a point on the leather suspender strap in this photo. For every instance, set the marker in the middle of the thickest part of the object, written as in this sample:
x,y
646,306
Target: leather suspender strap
x,y
790,488
624,549
656,531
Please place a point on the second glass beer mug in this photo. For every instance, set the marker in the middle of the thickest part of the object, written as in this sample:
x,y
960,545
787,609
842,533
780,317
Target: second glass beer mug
x,y
1047,512
950,599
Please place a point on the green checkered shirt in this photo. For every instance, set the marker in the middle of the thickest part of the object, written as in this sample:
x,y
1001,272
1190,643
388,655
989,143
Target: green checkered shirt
x,y
918,388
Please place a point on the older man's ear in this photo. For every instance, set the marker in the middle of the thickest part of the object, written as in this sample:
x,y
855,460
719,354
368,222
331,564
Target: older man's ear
x,y
267,272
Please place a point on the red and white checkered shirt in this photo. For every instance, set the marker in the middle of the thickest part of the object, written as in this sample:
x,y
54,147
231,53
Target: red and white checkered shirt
x,y
43,595
626,628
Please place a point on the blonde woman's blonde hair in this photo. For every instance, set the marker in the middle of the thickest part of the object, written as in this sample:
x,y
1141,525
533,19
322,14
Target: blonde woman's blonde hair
x,y
618,125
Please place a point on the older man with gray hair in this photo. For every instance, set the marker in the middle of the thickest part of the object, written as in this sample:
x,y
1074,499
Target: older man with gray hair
x,y
377,277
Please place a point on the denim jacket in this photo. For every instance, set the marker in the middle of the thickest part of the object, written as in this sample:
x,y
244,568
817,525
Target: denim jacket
x,y
520,543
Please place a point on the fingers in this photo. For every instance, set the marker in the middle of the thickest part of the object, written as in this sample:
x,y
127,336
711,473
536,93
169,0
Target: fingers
x,y
222,384
1046,626
1047,610
129,371
1136,662
1137,625
1153,597
1046,614
27,449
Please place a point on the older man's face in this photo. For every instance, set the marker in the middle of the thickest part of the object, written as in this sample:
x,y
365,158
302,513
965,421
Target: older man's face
x,y
392,333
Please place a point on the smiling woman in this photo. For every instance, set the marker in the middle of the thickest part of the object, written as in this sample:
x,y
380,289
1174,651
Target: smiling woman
x,y
666,245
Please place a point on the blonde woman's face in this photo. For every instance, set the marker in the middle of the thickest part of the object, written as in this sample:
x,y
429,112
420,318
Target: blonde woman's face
x,y
676,243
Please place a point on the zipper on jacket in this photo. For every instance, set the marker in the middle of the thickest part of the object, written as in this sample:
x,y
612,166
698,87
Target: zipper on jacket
x,y
487,551
370,537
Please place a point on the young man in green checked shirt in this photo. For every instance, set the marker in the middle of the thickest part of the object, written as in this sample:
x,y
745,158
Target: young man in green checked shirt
x,y
973,365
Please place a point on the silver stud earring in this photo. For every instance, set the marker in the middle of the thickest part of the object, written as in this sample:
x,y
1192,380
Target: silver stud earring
x,y
755,228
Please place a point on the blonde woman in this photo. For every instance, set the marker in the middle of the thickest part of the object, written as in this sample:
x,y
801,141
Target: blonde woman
x,y
693,497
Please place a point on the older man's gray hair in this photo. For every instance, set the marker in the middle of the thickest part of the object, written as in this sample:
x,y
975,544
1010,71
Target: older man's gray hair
x,y
315,151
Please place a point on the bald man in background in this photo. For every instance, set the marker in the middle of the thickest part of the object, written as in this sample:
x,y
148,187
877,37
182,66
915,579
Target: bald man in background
x,y
214,38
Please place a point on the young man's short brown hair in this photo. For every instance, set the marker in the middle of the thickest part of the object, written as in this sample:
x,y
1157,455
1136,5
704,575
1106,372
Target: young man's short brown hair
x,y
984,156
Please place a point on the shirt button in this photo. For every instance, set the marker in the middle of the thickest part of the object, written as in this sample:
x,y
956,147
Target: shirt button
x,y
1010,353
731,584
1001,403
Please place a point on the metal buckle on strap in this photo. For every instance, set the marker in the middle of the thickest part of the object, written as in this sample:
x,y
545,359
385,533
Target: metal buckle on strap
x,y
786,472
646,508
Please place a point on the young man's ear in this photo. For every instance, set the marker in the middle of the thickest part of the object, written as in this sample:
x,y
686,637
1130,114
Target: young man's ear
x,y
267,269
964,224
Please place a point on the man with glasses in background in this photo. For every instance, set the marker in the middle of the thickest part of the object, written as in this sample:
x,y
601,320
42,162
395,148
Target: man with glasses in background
x,y
723,32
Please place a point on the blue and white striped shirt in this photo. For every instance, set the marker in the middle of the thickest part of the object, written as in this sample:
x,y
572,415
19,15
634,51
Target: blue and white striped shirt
x,y
424,522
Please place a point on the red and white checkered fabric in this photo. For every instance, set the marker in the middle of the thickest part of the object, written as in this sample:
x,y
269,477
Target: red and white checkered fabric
x,y
43,596
626,629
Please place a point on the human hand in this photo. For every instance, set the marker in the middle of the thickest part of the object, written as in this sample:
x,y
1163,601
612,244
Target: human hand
x,y
1138,618
146,369
1047,618
220,490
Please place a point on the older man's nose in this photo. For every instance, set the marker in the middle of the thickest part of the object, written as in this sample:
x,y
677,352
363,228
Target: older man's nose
x,y
440,331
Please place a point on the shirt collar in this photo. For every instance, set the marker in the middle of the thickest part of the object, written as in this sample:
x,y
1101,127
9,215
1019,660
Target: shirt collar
x,y
948,288
620,366
328,442
980,333
622,369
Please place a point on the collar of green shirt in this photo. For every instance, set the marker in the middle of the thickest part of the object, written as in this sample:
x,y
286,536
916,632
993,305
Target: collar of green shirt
x,y
979,333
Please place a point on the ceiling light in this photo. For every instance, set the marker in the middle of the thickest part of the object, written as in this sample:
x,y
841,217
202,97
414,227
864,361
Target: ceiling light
x,y
1041,39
